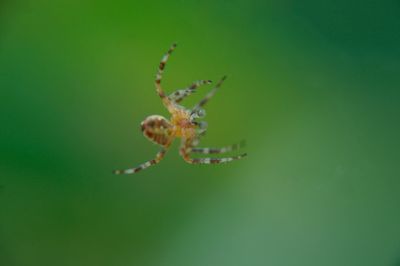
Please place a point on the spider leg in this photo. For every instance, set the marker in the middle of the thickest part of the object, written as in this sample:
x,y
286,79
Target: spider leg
x,y
209,95
230,148
159,157
166,101
202,126
201,132
186,149
179,95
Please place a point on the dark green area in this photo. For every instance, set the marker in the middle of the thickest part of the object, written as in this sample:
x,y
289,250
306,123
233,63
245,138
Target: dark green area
x,y
313,87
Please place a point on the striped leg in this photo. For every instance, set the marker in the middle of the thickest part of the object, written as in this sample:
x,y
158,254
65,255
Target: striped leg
x,y
209,95
179,95
160,91
159,157
213,160
219,150
185,153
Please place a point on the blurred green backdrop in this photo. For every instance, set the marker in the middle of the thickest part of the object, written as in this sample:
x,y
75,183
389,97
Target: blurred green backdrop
x,y
313,86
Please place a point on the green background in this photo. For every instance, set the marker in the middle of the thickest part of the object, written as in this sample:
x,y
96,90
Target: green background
x,y
312,85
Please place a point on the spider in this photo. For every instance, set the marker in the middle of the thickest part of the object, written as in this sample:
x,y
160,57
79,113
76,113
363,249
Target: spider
x,y
183,124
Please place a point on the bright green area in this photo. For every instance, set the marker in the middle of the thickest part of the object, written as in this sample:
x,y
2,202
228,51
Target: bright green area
x,y
313,87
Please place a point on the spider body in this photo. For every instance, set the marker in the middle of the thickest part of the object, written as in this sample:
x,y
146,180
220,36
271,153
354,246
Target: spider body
x,y
184,123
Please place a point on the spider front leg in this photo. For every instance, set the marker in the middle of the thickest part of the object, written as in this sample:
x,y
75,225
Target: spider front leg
x,y
208,96
166,101
186,149
200,132
179,95
159,157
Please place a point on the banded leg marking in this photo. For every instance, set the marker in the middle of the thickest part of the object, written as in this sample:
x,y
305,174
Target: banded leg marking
x,y
160,71
219,150
209,95
186,149
159,157
179,95
213,160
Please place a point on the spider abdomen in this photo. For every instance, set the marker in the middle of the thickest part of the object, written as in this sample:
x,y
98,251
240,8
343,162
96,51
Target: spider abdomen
x,y
157,129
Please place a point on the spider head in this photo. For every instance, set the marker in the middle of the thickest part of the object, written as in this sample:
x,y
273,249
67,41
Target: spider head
x,y
157,129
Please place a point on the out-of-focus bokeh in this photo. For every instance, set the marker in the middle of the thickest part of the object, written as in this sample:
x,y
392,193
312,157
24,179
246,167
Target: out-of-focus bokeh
x,y
313,86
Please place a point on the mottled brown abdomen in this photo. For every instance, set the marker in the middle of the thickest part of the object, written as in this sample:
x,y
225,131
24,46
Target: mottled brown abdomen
x,y
157,129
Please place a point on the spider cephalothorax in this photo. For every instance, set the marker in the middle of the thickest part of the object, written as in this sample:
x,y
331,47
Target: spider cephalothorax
x,y
184,123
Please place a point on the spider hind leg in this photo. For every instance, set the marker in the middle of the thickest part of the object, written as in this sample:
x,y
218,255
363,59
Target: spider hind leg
x,y
187,148
159,157
213,160
207,150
